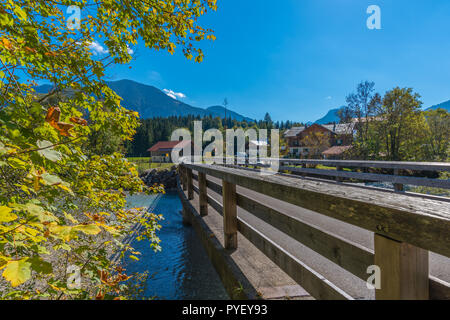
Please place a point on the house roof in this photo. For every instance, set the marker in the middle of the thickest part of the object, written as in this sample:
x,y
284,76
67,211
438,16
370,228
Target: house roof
x,y
336,150
340,128
168,145
293,132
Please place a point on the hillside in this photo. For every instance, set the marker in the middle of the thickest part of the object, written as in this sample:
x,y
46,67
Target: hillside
x,y
151,102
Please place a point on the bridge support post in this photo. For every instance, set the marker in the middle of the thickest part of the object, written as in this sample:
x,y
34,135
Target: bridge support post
x,y
229,214
183,177
190,186
203,195
404,270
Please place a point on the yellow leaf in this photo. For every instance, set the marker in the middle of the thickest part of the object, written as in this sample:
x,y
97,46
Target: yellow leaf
x,y
70,217
6,43
63,232
88,229
6,215
17,272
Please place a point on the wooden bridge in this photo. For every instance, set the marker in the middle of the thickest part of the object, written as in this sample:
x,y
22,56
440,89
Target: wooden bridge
x,y
325,234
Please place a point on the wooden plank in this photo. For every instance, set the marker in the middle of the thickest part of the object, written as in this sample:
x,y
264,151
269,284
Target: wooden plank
x,y
203,195
396,180
229,214
404,270
421,222
215,204
189,184
313,282
214,186
350,256
439,289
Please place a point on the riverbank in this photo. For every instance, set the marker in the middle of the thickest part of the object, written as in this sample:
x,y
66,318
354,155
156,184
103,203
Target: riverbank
x,y
166,177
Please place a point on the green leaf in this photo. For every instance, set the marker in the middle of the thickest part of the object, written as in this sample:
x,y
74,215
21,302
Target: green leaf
x,y
40,266
50,179
17,272
36,211
6,215
2,148
48,152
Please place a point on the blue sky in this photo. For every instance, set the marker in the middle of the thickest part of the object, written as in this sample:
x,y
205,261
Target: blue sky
x,y
296,59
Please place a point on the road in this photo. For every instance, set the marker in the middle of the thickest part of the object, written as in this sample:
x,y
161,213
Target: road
x,y
439,265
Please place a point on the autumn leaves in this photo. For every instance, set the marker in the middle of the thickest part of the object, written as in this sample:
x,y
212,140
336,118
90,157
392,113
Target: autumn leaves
x,y
53,117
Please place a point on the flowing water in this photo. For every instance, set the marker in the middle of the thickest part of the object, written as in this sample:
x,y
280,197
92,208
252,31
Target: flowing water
x,y
182,270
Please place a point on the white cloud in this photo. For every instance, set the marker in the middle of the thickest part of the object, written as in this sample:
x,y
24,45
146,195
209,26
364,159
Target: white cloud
x,y
97,48
329,98
174,95
129,50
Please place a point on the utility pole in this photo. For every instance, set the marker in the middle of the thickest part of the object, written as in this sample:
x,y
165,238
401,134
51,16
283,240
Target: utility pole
x,y
225,104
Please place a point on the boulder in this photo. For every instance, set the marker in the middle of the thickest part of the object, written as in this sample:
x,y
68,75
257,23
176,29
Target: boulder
x,y
166,177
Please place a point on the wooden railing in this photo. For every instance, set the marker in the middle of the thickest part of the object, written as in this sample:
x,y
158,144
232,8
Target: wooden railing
x,y
405,229
398,174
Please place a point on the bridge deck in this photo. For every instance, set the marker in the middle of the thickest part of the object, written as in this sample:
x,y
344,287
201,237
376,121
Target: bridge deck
x,y
258,276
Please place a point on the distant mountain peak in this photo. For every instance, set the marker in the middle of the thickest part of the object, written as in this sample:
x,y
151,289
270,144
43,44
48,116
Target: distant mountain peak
x,y
331,116
444,105
220,110
152,102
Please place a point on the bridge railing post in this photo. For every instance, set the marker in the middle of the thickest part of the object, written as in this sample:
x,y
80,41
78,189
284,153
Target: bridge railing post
x,y
203,194
403,270
229,214
398,187
338,179
190,186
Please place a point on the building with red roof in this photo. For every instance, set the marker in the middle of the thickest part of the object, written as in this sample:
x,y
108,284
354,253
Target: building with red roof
x,y
162,150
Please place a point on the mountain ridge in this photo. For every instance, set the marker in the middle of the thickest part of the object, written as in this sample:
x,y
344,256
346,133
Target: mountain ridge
x,y
152,102
444,105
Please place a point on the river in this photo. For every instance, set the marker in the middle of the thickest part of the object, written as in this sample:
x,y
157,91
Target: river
x,y
182,270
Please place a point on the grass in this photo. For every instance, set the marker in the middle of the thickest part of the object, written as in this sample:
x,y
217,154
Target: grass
x,y
319,166
144,164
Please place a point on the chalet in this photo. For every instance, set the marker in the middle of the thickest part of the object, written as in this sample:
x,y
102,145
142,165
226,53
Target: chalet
x,y
162,150
301,142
